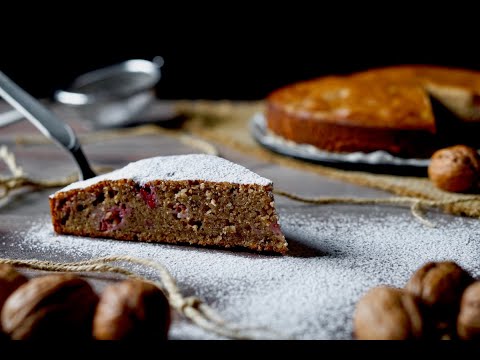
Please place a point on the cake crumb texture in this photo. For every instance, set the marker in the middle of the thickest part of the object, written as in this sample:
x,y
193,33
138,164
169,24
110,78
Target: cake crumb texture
x,y
225,214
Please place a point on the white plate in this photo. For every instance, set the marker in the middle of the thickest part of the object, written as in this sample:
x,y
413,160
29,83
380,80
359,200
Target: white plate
x,y
308,152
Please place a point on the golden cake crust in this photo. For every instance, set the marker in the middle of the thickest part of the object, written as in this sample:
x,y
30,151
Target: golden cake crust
x,y
357,102
382,109
469,80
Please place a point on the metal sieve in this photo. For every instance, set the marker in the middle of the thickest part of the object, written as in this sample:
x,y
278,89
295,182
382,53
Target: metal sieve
x,y
116,94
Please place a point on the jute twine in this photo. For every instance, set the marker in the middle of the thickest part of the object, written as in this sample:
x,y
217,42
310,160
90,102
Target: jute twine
x,y
227,123
19,180
207,126
416,205
191,307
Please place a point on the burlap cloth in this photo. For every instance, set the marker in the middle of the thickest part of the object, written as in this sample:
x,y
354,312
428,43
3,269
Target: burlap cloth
x,y
227,123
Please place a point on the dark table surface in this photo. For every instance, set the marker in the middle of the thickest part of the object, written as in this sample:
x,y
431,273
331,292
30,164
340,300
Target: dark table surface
x,y
337,252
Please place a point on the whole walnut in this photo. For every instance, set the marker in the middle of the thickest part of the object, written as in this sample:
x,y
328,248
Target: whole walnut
x,y
455,169
386,313
440,286
468,322
132,310
10,280
50,307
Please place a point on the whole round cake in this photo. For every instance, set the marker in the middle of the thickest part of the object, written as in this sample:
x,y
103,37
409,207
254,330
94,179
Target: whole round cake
x,y
408,111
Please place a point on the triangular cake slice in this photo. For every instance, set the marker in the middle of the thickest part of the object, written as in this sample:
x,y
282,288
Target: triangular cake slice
x,y
457,89
194,199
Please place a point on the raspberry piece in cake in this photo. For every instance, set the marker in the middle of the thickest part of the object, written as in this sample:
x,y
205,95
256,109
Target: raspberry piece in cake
x,y
195,199
149,196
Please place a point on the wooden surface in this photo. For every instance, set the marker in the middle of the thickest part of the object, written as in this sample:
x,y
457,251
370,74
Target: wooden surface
x,y
49,161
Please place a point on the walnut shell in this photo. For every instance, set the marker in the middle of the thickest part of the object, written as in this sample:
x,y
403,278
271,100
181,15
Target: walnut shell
x,y
468,322
440,286
132,309
385,313
50,307
455,169
10,280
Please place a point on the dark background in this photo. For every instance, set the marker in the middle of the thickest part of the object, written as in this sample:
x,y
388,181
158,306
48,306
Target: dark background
x,y
235,50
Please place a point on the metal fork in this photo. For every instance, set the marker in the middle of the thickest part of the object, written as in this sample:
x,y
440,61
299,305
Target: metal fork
x,y
46,121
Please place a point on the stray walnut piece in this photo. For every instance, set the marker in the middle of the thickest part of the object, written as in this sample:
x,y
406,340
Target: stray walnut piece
x,y
132,310
50,307
455,169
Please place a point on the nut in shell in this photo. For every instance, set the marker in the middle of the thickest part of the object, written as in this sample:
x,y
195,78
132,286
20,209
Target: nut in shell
x,y
455,169
132,309
386,313
10,280
440,285
50,307
468,322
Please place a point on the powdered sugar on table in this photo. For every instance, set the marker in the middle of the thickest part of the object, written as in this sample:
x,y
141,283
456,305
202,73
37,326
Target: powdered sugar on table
x,y
336,254
180,167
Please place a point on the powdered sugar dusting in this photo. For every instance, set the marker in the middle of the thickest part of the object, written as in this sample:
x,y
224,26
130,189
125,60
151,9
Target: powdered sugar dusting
x,y
180,167
337,253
